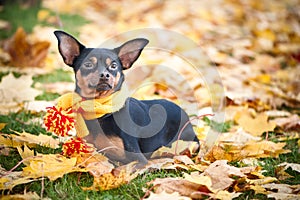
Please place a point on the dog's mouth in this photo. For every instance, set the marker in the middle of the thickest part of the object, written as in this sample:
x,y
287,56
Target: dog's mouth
x,y
101,87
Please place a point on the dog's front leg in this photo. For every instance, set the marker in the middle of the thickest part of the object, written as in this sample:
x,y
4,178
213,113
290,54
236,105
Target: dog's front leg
x,y
133,151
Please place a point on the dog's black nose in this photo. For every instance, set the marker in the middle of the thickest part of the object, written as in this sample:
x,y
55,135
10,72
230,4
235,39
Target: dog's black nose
x,y
104,76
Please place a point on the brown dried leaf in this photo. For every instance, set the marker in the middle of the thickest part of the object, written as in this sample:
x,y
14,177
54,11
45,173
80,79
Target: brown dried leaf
x,y
289,123
24,53
221,173
294,166
113,179
182,186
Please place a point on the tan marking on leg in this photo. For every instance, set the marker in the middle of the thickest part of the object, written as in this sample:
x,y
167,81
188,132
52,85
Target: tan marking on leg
x,y
112,146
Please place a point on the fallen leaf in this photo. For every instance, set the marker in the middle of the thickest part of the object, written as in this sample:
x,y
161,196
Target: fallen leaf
x,y
281,173
26,153
283,196
225,195
264,149
257,125
180,185
294,166
220,173
53,166
25,196
184,159
38,106
288,123
113,179
238,137
19,139
15,91
2,125
252,149
24,53
282,191
201,179
262,180
225,151
179,147
9,180
156,164
97,169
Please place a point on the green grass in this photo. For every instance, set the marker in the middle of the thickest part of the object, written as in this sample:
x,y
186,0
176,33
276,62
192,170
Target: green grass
x,y
26,17
71,23
219,127
58,75
22,121
18,16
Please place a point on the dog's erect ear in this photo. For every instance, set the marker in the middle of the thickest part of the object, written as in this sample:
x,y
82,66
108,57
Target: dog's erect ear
x,y
130,51
68,47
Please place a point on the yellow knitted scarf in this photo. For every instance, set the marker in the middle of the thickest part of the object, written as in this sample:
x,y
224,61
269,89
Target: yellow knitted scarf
x,y
91,109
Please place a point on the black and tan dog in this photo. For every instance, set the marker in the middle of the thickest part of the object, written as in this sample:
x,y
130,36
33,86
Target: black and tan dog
x,y
140,127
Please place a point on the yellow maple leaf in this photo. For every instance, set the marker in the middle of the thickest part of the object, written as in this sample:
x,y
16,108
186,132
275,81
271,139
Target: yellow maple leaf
x,y
264,149
196,177
52,166
6,140
257,125
225,151
41,139
26,153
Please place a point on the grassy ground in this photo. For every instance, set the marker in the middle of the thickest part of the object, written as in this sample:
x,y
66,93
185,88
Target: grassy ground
x,y
20,15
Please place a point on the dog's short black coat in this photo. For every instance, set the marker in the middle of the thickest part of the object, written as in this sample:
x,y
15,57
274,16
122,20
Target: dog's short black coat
x,y
140,127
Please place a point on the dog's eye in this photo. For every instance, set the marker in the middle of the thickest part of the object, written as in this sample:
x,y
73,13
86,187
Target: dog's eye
x,y
113,66
88,65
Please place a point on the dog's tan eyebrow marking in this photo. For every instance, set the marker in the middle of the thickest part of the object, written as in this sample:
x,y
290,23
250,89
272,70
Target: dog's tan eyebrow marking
x,y
108,61
93,60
